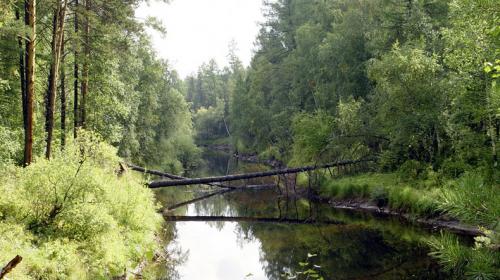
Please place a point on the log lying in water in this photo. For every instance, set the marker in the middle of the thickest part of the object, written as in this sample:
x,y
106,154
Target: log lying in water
x,y
177,205
170,176
248,219
248,187
10,266
207,180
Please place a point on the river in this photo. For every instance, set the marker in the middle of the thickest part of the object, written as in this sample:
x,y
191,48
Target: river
x,y
363,247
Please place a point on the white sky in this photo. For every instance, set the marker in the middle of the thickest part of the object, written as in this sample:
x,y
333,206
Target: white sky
x,y
198,30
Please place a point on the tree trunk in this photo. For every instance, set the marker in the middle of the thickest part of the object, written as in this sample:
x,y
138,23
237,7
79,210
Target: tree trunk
x,y
63,98
172,218
75,75
206,180
85,72
22,72
10,266
30,10
171,176
57,36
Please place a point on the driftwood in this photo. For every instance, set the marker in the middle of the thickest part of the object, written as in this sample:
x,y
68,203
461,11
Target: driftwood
x,y
207,180
172,218
170,176
11,265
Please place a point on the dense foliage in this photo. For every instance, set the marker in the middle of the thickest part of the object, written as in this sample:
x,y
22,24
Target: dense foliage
x,y
132,99
414,83
73,217
90,71
343,79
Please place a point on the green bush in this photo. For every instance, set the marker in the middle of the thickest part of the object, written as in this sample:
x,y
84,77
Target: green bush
x,y
73,217
10,147
380,196
412,170
452,168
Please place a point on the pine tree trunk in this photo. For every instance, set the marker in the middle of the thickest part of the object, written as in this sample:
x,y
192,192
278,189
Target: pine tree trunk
x,y
75,75
85,72
22,72
30,6
57,36
63,98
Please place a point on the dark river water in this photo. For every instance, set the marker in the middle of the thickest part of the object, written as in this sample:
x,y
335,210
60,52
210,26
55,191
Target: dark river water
x,y
363,247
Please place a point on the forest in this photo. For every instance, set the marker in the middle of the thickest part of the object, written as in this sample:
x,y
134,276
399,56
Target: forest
x,y
411,83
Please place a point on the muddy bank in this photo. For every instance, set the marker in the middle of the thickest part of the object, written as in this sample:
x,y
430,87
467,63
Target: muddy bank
x,y
435,224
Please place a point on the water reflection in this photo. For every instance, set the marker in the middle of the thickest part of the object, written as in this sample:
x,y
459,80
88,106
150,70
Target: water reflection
x,y
217,251
363,248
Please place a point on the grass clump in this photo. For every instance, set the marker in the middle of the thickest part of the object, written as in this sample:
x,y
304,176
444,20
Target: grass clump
x,y
415,201
472,200
73,218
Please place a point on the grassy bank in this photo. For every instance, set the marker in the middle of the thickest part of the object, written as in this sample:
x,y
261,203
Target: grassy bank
x,y
74,217
468,199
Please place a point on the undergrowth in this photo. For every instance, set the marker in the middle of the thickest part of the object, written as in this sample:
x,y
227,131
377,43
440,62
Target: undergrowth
x,y
73,217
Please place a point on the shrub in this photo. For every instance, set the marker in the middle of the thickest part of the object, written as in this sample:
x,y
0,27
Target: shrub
x,y
412,170
11,145
73,217
380,196
452,168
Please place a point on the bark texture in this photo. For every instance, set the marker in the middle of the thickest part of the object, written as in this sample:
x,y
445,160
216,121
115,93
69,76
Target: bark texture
x,y
30,20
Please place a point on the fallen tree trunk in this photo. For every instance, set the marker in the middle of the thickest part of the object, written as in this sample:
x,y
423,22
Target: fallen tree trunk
x,y
177,205
207,180
170,176
248,219
10,266
249,187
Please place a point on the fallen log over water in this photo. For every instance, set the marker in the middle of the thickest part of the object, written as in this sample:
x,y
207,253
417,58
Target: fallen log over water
x,y
170,176
177,205
248,219
249,187
207,180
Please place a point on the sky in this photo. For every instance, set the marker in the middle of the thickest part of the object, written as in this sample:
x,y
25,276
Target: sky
x,y
198,30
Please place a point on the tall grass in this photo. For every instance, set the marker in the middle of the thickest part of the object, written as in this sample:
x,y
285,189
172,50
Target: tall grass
x,y
468,199
384,190
471,200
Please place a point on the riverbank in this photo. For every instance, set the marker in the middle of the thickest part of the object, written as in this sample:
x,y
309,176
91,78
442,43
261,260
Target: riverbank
x,y
465,205
77,216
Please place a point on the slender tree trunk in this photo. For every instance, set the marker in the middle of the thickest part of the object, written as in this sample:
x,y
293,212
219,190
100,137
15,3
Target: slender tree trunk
x,y
30,6
22,72
57,36
75,75
63,98
85,71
